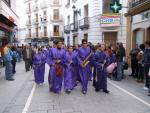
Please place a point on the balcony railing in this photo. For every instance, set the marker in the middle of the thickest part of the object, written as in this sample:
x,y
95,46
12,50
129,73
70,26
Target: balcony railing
x,y
137,3
35,8
43,5
56,19
74,27
67,29
35,21
84,23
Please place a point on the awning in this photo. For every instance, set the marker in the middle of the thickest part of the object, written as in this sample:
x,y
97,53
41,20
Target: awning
x,y
6,24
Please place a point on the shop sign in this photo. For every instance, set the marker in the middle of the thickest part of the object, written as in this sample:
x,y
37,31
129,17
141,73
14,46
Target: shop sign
x,y
11,19
110,20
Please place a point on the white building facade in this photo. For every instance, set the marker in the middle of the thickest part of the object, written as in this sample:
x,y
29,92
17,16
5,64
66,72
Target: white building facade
x,y
8,21
90,18
44,21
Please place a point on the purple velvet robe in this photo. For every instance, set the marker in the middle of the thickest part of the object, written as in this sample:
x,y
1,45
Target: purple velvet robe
x,y
101,73
69,69
84,72
55,54
39,70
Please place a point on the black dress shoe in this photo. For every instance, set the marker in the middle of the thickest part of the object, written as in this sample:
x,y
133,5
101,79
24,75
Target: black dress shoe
x,y
68,91
11,79
97,90
106,91
84,92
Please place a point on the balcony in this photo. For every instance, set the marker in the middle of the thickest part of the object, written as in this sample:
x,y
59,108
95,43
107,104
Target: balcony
x,y
56,19
138,6
35,8
84,23
67,29
35,21
28,11
74,27
43,5
44,19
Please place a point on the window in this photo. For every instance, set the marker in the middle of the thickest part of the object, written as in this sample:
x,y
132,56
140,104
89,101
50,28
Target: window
x,y
56,14
68,20
56,30
36,16
86,9
8,2
45,30
29,18
68,40
55,2
106,6
29,32
36,29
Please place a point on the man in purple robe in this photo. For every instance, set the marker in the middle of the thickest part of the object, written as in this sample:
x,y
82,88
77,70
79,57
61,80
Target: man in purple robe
x,y
69,67
83,53
39,66
101,62
55,60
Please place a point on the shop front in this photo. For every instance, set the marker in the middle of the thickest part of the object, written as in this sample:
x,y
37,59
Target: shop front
x,y
110,24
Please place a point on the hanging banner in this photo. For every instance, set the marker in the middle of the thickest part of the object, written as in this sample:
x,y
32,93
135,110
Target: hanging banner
x,y
110,20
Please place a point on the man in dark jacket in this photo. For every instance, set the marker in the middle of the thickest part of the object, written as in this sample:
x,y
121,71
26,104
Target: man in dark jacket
x,y
134,62
147,64
120,53
27,57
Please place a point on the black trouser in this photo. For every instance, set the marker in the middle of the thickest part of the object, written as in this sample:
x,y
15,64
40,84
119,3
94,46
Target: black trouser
x,y
147,83
13,67
141,72
27,64
134,67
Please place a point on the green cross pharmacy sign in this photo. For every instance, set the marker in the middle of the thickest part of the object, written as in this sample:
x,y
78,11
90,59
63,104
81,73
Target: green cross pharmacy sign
x,y
115,6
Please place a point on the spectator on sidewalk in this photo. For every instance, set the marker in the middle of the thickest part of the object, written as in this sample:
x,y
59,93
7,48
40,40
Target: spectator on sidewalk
x,y
14,59
134,62
27,57
140,76
7,60
120,53
147,64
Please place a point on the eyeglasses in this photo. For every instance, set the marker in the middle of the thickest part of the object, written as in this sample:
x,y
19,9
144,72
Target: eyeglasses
x,y
85,43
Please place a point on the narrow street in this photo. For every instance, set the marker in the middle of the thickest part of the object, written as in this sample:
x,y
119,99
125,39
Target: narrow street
x,y
16,96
